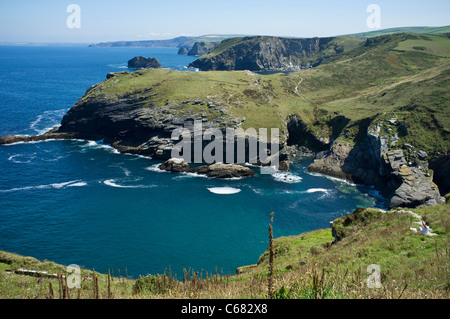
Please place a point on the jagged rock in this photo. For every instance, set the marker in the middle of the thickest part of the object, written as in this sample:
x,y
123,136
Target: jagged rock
x,y
415,189
406,186
139,62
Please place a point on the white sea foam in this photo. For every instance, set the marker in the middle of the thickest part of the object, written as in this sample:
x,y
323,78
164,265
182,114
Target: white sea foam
x,y
113,183
54,185
47,120
224,190
286,177
31,142
332,178
189,175
317,190
99,145
22,158
79,184
155,168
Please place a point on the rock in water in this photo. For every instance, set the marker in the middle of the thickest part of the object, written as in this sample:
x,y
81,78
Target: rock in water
x,y
218,170
139,62
182,51
176,165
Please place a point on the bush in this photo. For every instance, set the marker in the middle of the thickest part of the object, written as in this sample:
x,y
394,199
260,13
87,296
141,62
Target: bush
x,y
151,284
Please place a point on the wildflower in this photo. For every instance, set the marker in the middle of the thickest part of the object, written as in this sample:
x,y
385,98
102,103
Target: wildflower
x,y
39,280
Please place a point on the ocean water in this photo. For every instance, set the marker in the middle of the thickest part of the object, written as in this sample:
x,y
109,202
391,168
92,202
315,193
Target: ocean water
x,y
79,202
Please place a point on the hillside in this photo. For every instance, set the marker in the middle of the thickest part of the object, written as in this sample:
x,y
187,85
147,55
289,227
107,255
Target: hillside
x,y
415,30
306,266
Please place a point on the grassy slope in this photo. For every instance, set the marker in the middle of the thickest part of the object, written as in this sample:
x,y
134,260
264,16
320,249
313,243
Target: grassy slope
x,y
306,266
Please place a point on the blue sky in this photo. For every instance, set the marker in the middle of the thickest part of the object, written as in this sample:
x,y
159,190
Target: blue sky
x,y
113,20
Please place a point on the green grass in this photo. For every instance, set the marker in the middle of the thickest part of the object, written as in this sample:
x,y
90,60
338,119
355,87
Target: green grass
x,y
438,45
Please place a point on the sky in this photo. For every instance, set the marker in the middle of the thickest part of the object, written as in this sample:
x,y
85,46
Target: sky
x,y
113,20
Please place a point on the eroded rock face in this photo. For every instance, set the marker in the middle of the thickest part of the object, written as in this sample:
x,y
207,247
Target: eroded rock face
x,y
415,188
372,163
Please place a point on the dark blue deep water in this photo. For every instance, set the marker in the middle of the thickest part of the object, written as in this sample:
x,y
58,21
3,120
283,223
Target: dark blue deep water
x,y
77,202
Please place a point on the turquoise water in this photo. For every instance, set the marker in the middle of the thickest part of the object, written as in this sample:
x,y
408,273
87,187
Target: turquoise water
x,y
79,202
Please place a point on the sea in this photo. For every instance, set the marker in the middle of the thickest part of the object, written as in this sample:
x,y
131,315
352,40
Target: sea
x,y
80,202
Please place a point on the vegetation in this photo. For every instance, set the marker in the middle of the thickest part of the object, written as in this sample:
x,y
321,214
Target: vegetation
x,y
309,265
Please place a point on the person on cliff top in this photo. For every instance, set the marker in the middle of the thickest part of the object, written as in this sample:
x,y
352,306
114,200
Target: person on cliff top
x,y
423,230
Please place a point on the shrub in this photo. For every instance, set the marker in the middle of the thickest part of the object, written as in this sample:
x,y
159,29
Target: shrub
x,y
152,284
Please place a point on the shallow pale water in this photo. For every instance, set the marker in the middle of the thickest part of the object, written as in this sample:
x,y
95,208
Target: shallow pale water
x,y
80,202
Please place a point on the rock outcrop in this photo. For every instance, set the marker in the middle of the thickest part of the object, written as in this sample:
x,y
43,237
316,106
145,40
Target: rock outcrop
x,y
376,161
139,62
217,170
52,134
182,51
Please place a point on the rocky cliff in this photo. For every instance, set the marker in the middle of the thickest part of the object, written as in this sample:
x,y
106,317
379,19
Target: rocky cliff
x,y
378,160
265,53
201,48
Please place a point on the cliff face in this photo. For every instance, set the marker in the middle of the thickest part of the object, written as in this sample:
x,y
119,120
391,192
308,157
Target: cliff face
x,y
378,160
265,54
201,48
